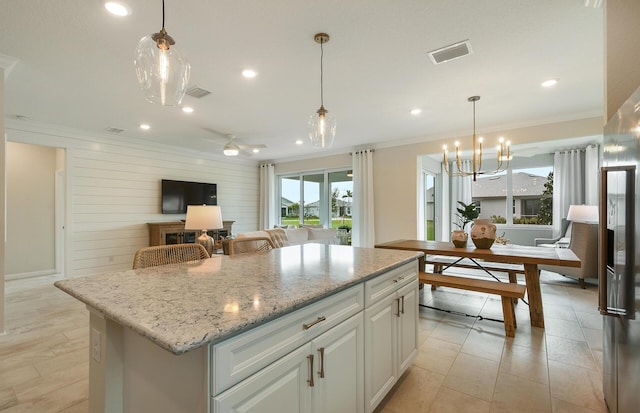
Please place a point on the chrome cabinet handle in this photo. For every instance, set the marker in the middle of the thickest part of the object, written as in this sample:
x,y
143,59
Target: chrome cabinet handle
x,y
402,304
313,323
397,280
398,307
310,379
321,372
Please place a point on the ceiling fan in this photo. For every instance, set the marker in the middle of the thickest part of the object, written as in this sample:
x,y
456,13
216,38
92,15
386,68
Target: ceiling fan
x,y
233,148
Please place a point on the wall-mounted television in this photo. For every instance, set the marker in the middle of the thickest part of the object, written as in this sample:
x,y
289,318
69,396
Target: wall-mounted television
x,y
176,195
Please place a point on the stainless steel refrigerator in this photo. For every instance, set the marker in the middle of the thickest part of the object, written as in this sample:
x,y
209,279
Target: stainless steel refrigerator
x,y
619,277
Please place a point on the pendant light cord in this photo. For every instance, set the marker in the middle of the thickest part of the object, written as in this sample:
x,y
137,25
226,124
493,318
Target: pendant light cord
x,y
163,14
321,74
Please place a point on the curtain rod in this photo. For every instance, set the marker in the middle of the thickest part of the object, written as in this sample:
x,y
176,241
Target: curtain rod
x,y
362,151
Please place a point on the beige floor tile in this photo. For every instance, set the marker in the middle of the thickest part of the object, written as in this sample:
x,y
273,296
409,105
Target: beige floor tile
x,y
572,352
452,401
436,355
561,406
7,399
527,336
415,391
589,320
13,377
517,394
56,380
525,362
562,312
577,385
64,398
593,337
485,344
563,328
472,375
453,329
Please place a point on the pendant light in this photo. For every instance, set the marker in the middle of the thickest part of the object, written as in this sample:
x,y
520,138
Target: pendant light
x,y
322,127
163,73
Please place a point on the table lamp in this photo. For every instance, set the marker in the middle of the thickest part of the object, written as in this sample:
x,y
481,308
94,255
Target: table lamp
x,y
583,213
204,217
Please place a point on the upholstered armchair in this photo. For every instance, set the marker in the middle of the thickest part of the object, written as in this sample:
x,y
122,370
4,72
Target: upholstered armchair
x,y
583,243
564,228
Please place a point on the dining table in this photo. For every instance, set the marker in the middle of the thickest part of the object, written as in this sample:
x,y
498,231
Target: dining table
x,y
530,257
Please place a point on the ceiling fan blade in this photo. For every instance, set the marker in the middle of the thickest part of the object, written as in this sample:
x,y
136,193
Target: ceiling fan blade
x,y
259,146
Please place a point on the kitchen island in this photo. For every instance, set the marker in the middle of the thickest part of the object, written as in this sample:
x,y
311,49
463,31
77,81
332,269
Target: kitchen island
x,y
285,330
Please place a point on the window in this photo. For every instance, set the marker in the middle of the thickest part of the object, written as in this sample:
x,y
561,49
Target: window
x,y
319,198
527,190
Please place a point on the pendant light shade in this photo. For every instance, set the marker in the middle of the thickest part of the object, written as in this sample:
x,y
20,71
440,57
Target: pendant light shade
x,y
163,73
322,125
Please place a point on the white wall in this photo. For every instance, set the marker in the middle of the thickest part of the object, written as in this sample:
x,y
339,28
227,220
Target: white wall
x,y
2,198
30,245
113,190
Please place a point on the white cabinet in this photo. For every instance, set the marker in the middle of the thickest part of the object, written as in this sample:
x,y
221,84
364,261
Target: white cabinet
x,y
391,334
341,354
324,375
339,375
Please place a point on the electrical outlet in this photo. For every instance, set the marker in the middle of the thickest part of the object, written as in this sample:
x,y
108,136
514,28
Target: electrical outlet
x,y
96,345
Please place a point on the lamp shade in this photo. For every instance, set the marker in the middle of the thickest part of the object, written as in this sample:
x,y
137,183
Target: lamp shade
x,y
583,213
203,217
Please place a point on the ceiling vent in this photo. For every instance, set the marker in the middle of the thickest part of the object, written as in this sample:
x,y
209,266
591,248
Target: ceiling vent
x,y
447,53
114,130
197,92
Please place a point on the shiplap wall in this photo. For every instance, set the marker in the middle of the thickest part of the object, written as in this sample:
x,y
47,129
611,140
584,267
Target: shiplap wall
x,y
113,191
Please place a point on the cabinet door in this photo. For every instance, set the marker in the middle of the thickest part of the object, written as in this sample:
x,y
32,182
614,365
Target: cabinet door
x,y
380,350
280,387
407,326
339,369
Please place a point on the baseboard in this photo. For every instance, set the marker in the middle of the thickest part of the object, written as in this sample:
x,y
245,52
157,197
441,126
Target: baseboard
x,y
20,276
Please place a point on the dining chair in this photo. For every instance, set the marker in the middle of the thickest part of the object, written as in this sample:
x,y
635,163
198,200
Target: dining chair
x,y
168,254
248,245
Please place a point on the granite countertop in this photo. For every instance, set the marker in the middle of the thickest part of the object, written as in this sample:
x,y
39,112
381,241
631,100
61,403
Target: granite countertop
x,y
185,306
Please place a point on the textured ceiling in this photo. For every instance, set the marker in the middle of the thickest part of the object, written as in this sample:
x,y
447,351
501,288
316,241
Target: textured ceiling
x,y
75,68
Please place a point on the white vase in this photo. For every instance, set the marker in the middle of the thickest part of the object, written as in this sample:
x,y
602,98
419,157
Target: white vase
x,y
483,233
459,238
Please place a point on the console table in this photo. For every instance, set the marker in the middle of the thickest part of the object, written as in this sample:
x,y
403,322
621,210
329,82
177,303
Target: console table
x,y
163,233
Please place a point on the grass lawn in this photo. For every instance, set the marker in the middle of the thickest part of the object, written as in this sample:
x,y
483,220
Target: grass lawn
x,y
335,222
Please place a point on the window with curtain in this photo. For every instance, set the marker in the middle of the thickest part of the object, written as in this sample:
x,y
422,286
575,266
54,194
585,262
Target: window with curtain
x,y
316,198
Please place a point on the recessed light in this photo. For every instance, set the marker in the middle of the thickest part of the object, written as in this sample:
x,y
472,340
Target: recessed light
x,y
549,83
249,74
299,142
416,111
256,150
187,109
145,126
118,9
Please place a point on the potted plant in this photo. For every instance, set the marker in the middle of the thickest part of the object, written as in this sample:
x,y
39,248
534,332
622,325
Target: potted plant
x,y
466,214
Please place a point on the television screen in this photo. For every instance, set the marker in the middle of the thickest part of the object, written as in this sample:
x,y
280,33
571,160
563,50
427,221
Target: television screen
x,y
176,195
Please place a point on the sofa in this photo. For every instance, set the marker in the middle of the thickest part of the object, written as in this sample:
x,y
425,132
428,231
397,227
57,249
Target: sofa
x,y
282,237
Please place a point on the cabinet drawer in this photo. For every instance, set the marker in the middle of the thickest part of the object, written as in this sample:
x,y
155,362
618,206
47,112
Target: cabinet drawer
x,y
386,284
239,357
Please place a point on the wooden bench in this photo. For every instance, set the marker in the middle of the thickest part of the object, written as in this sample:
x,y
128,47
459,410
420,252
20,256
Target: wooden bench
x,y
439,262
507,291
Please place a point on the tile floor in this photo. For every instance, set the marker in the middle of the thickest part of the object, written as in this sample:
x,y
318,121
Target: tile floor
x,y
463,364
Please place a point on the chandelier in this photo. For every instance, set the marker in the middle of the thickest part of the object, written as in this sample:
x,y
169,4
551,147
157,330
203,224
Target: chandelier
x,y
163,74
503,149
322,127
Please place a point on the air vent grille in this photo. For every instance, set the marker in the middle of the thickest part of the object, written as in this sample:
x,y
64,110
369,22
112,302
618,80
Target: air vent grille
x,y
114,130
197,92
454,51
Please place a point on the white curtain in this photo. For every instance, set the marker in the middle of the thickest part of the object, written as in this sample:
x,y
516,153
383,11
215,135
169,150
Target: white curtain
x,y
363,225
568,183
459,190
267,211
591,173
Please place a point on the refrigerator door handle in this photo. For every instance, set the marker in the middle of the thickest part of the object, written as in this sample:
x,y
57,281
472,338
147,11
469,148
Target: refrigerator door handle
x,y
603,293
